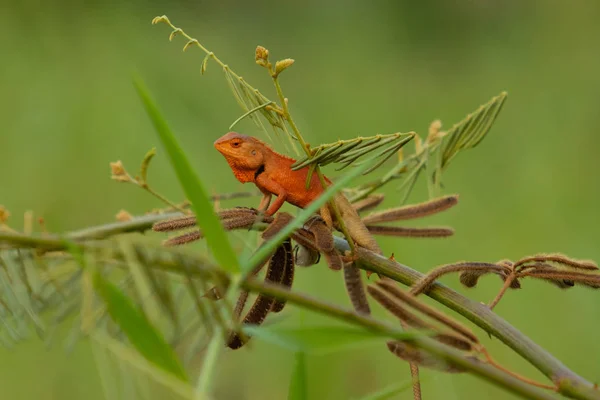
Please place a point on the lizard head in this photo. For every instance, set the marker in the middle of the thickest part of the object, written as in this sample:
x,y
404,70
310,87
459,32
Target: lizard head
x,y
242,152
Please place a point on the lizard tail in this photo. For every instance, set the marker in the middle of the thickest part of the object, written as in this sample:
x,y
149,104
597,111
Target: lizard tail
x,y
359,234
357,229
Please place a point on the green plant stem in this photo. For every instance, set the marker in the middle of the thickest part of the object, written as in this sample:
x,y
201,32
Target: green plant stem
x,y
569,383
162,198
288,116
208,367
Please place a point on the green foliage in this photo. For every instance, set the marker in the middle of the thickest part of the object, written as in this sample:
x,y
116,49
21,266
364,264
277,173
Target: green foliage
x,y
346,152
250,99
469,132
463,135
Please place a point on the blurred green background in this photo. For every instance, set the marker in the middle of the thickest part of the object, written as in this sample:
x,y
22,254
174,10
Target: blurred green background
x,y
68,108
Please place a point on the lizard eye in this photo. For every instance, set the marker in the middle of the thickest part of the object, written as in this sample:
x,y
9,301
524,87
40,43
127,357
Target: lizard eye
x,y
236,143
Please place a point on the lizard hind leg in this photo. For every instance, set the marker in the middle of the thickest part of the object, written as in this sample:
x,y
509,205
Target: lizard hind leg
x,y
264,202
326,215
323,240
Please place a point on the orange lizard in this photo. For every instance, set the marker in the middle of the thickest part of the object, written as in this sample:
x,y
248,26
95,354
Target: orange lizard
x,y
252,160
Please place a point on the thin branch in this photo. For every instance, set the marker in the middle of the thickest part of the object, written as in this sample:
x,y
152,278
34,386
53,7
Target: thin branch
x,y
568,382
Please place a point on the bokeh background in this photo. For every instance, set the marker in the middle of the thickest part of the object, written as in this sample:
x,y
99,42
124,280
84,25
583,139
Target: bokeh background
x,y
68,107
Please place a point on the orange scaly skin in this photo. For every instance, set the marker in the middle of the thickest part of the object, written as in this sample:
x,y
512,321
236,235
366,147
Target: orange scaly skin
x,y
252,160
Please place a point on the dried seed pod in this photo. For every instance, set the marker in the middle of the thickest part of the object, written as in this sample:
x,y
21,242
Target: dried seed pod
x,y
279,222
422,358
413,302
263,304
246,220
356,289
400,231
559,259
425,282
455,341
565,279
470,277
183,239
368,203
288,273
174,224
413,211
397,309
188,221
237,212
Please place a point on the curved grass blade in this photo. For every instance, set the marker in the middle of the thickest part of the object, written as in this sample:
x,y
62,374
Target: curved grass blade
x,y
143,336
257,108
298,384
193,188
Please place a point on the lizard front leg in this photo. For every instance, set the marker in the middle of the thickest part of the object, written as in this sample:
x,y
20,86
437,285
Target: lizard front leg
x,y
265,201
267,185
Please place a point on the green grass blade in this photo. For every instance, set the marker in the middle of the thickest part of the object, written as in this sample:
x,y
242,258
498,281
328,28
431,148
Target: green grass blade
x,y
298,384
206,377
195,192
143,336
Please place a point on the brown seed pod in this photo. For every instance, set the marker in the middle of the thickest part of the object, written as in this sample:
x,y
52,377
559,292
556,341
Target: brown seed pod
x,y
412,211
356,289
559,259
400,231
263,304
183,239
288,273
368,202
174,224
422,358
415,303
